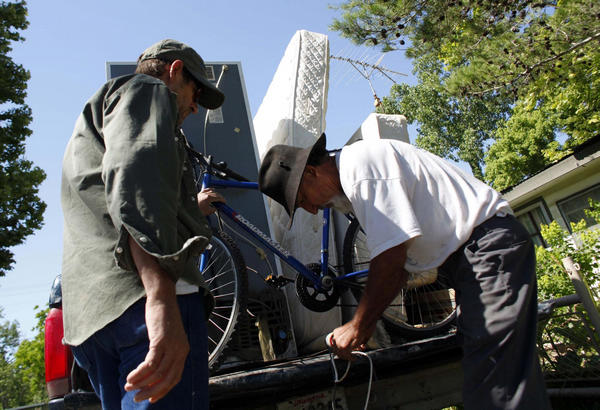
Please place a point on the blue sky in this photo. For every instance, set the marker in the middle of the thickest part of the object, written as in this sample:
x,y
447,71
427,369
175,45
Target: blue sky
x,y
66,49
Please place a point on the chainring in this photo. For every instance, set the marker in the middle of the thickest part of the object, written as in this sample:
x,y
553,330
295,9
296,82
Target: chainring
x,y
317,300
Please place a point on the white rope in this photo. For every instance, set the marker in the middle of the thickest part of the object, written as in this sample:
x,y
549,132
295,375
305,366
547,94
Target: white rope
x,y
337,379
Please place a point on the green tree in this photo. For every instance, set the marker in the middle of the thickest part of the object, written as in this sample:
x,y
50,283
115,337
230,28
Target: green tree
x,y
21,210
458,128
524,145
582,245
538,56
11,386
22,372
29,362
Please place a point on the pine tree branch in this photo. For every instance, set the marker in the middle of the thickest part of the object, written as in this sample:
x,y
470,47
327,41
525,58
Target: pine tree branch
x,y
530,69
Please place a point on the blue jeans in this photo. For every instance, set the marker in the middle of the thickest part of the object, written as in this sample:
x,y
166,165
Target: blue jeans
x,y
115,350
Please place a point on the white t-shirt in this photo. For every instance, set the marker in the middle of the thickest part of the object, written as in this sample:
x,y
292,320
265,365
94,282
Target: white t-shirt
x,y
400,193
183,287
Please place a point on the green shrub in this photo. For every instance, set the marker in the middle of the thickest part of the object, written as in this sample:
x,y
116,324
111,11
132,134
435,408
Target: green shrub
x,y
583,246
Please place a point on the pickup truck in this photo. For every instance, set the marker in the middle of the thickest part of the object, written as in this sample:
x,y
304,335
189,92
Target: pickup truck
x,y
411,374
304,382
68,384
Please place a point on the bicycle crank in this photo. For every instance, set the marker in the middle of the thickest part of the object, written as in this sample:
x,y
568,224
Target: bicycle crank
x,y
317,300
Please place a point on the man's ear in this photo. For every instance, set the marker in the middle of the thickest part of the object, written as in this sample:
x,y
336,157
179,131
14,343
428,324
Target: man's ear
x,y
310,170
175,69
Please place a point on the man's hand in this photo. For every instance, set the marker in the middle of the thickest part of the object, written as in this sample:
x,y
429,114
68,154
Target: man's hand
x,y
386,277
163,366
348,338
205,199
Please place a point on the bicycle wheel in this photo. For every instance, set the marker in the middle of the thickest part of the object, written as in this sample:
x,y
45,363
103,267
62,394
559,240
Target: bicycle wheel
x,y
425,308
226,277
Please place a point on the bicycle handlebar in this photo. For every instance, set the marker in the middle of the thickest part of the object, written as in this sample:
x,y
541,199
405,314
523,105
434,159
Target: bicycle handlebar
x,y
221,167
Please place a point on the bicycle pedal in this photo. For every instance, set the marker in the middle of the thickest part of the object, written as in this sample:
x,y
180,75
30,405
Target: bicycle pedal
x,y
277,282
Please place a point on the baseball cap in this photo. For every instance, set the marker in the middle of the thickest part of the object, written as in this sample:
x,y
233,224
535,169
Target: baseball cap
x,y
170,50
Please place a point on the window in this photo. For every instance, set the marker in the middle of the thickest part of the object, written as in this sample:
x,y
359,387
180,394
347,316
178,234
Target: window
x,y
532,217
210,73
573,208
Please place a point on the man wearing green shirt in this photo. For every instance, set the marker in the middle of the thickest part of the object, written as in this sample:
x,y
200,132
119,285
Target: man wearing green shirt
x,y
134,302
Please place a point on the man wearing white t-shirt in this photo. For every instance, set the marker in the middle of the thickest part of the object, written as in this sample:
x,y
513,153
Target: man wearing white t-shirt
x,y
419,212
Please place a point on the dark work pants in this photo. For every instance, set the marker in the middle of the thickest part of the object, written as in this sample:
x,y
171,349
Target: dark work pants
x,y
493,275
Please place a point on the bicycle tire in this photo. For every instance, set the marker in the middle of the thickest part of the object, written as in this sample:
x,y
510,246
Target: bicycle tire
x,y
418,311
226,277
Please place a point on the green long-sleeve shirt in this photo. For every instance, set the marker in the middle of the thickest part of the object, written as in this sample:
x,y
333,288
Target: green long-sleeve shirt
x,y
126,172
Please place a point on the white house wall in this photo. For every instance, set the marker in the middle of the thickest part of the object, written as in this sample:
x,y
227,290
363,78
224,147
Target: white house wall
x,y
556,183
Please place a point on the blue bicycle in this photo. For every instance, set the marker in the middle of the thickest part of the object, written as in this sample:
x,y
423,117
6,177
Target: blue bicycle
x,y
425,308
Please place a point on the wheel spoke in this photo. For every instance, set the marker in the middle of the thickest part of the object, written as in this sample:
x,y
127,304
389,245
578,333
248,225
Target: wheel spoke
x,y
223,295
221,316
223,307
223,285
209,281
215,325
225,269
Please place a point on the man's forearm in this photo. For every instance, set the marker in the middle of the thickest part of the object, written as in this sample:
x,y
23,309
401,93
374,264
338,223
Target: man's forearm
x,y
168,343
156,281
386,278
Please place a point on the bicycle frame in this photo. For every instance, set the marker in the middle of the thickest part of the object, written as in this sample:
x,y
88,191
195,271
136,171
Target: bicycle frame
x,y
317,287
209,181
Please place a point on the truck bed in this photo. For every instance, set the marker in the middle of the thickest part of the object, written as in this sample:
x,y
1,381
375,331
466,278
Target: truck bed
x,y
424,374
